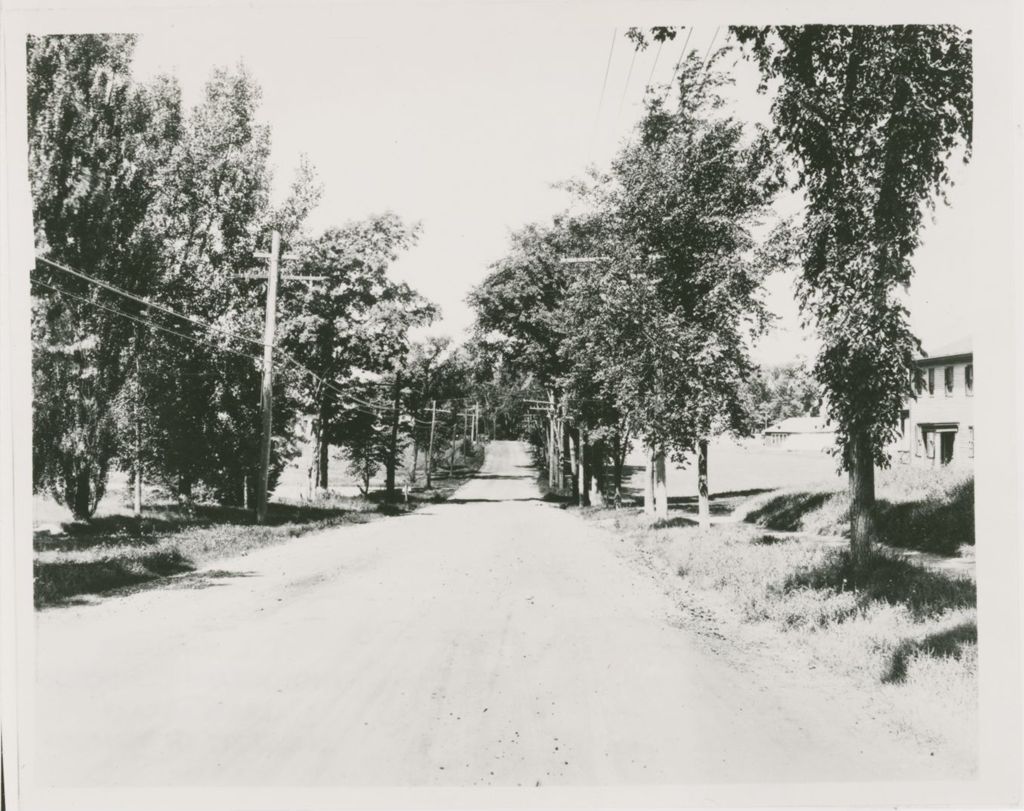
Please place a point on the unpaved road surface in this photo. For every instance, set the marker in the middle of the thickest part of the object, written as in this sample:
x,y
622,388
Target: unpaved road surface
x,y
494,640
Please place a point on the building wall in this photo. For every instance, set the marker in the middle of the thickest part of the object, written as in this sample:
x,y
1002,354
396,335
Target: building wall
x,y
933,414
800,441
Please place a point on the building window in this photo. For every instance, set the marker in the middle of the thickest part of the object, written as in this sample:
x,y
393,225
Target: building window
x,y
919,381
929,444
948,380
969,378
970,441
931,382
919,444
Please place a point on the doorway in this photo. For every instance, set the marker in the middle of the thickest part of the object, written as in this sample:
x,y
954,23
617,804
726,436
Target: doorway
x,y
947,439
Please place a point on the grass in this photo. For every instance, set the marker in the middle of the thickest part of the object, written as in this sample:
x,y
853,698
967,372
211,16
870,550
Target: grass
x,y
888,578
924,510
892,626
117,553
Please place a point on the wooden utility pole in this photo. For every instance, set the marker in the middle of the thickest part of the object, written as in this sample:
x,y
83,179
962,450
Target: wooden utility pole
x,y
137,501
391,466
451,459
272,278
430,444
553,461
266,393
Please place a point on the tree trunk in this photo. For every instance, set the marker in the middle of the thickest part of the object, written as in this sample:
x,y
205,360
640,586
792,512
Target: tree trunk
x,y
597,474
415,457
185,488
618,461
574,464
660,485
703,505
649,481
81,495
323,460
137,488
559,463
863,531
584,470
312,471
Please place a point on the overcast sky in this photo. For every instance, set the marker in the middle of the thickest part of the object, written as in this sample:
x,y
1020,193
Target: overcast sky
x,y
465,124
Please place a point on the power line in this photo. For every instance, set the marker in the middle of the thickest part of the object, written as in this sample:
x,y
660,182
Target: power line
x,y
708,52
679,63
191,319
144,321
114,289
654,65
152,324
625,87
604,85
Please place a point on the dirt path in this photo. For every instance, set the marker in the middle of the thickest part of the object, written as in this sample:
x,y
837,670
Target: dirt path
x,y
494,640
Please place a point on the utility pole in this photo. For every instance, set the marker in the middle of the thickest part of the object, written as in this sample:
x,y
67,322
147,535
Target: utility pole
x,y
266,393
451,459
272,277
137,500
476,412
430,444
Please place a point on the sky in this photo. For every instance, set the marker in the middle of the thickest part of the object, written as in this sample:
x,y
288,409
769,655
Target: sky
x,y
464,123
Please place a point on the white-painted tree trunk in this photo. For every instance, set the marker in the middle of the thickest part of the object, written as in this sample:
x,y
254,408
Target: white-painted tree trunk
x,y
660,485
649,482
703,504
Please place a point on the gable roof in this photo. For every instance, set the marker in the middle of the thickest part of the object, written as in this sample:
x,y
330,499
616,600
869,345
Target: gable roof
x,y
961,346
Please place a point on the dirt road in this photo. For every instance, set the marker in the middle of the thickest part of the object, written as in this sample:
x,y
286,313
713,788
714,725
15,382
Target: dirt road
x,y
494,640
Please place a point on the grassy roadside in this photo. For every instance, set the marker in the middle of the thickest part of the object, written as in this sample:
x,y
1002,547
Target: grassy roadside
x,y
904,635
924,510
118,553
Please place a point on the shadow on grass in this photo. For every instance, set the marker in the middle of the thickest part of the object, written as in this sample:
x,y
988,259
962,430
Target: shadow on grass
x,y
785,512
938,525
57,582
769,540
126,530
934,525
942,644
888,578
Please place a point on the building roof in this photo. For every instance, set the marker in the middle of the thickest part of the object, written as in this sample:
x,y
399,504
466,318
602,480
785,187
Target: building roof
x,y
801,425
962,346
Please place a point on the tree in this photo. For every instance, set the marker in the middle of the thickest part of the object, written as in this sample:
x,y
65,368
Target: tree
x,y
96,141
870,117
778,392
213,213
519,316
672,313
354,324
